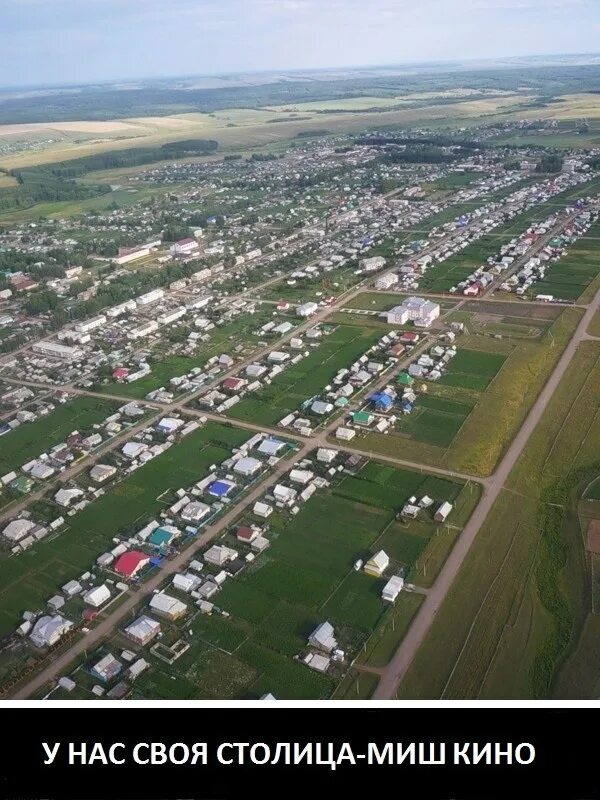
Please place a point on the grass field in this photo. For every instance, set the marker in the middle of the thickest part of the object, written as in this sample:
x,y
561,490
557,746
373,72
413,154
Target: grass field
x,y
499,402
569,277
32,439
28,580
305,577
521,602
304,380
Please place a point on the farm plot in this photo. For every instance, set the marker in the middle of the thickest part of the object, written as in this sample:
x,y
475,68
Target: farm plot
x,y
307,378
304,578
28,581
493,380
31,439
518,622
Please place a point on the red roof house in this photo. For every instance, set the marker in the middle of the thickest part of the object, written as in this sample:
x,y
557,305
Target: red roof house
x,y
129,564
120,373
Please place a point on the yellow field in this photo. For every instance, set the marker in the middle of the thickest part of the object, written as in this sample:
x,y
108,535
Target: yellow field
x,y
6,181
240,129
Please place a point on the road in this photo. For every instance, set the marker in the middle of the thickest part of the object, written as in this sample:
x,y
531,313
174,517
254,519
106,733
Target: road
x,y
397,668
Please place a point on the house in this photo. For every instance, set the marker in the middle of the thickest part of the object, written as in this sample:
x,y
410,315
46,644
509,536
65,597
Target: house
x,y
284,494
221,488
166,606
161,537
18,529
107,668
219,554
307,309
246,534
97,595
168,425
362,418
132,450
270,447
443,511
129,564
301,476
377,564
345,434
195,511
262,509
323,637
64,497
392,588
325,455
49,629
320,407
247,466
143,630
183,247
102,472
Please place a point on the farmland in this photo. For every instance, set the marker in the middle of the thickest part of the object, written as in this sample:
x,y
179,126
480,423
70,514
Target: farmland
x,y
29,440
29,579
465,400
301,381
574,272
307,576
517,622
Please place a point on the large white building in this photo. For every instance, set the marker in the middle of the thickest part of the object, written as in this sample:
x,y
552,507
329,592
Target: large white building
x,y
145,329
90,324
55,350
150,297
414,309
372,264
183,247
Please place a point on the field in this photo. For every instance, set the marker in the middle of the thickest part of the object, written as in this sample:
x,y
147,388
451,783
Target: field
x,y
31,439
569,277
305,577
517,621
480,410
306,379
28,580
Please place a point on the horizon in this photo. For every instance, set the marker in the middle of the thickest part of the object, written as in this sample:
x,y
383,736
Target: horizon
x,y
46,42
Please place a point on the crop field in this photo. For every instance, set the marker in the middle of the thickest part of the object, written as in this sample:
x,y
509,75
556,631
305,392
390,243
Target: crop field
x,y
298,383
31,439
224,339
456,180
518,621
306,577
573,273
499,382
29,579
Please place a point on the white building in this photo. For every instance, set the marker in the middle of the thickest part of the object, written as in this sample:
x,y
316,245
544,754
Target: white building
x,y
49,629
150,297
54,350
323,637
392,588
386,281
183,247
372,264
97,595
307,309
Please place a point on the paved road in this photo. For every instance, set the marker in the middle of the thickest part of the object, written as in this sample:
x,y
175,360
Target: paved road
x,y
402,659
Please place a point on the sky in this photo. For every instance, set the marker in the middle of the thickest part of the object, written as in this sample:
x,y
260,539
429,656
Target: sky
x,y
82,41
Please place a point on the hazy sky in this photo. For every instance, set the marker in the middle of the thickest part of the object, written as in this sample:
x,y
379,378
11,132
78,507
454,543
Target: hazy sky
x,y
72,41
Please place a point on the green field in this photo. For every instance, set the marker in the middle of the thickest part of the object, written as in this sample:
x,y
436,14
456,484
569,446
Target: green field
x,y
517,621
298,383
34,576
31,439
305,577
499,403
573,273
